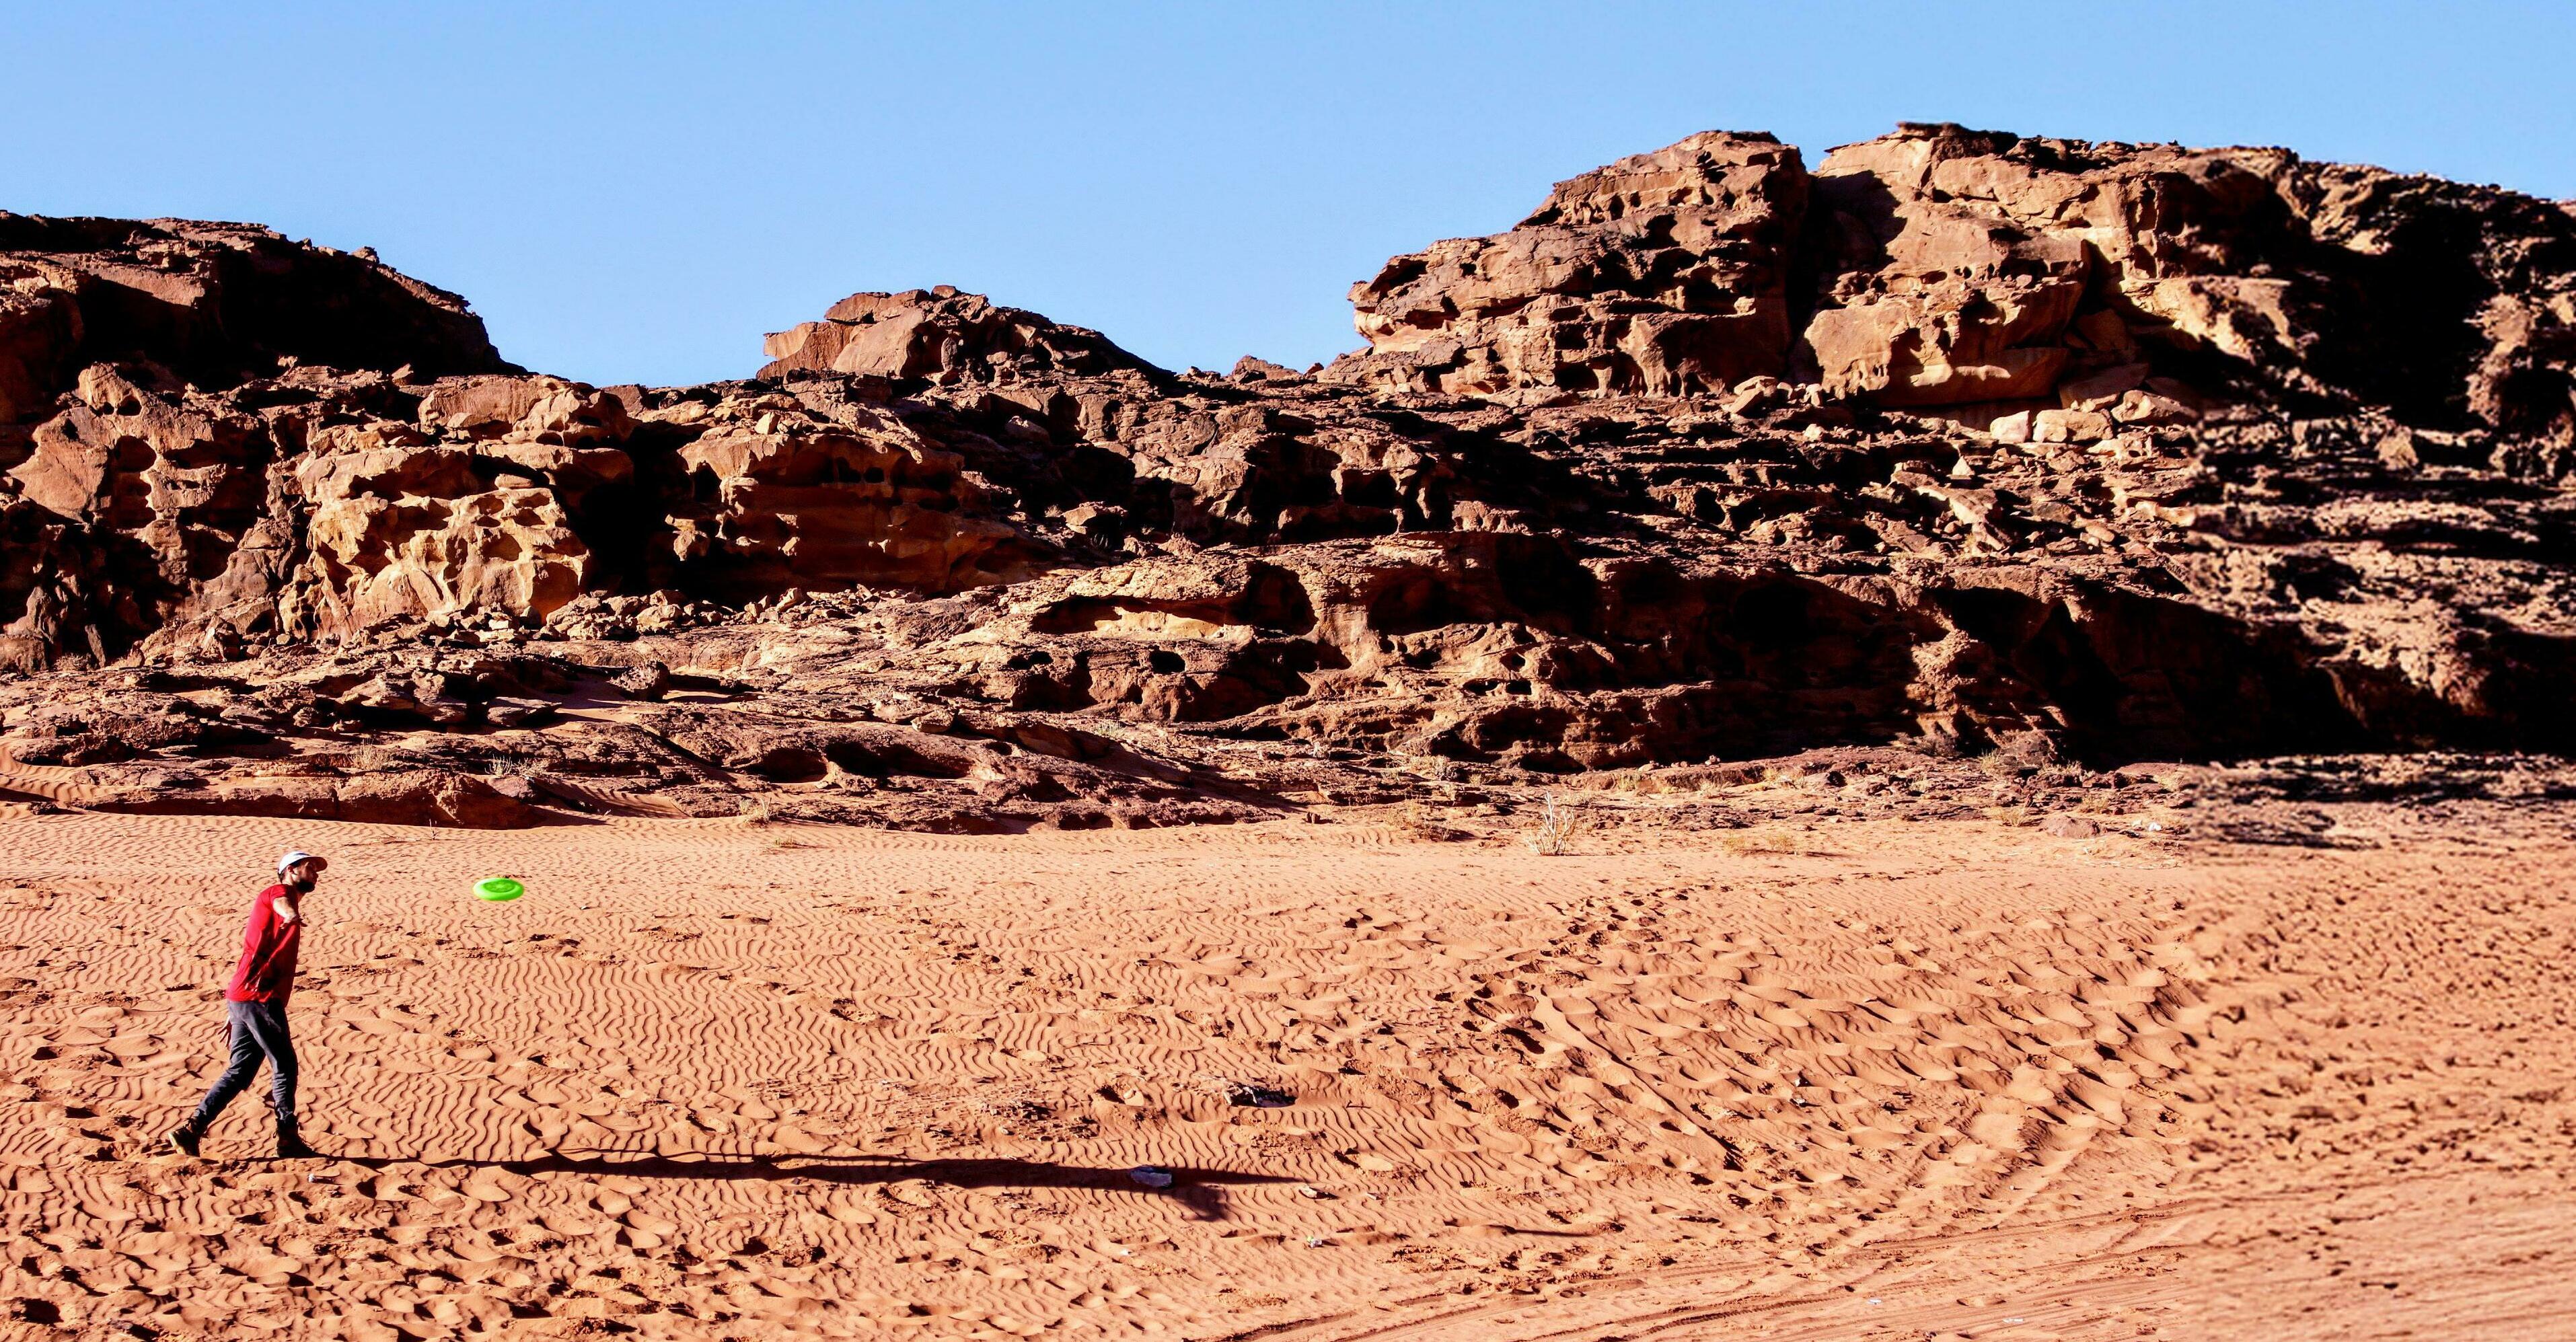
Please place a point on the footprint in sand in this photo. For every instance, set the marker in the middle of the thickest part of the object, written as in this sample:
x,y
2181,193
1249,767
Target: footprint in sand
x,y
644,1230
571,1224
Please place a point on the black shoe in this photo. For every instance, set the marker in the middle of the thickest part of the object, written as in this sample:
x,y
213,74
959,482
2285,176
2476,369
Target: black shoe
x,y
184,1141
290,1146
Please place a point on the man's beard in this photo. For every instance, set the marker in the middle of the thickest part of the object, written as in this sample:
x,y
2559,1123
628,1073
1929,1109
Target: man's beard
x,y
300,884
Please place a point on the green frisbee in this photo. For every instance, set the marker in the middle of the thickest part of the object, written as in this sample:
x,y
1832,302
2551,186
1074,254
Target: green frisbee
x,y
498,888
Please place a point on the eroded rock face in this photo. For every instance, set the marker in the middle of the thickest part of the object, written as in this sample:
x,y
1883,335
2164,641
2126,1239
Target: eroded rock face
x,y
40,328
1990,273
182,482
547,411
939,335
415,531
1663,274
1965,444
784,501
216,302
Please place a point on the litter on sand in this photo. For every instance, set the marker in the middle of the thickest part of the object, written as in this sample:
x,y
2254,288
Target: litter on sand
x,y
1251,1096
498,888
1151,1177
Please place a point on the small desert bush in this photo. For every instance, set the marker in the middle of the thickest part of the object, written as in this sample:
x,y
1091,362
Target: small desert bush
x,y
1557,825
1420,822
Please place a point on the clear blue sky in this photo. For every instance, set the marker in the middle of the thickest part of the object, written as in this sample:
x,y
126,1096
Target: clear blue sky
x,y
637,191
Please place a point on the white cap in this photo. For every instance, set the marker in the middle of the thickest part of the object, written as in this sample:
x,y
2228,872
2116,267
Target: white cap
x,y
299,855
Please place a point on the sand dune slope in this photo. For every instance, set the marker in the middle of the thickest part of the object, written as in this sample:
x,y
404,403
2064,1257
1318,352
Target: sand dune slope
x,y
713,1079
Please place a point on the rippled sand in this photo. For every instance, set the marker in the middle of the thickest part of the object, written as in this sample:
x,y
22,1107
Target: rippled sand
x,y
715,1079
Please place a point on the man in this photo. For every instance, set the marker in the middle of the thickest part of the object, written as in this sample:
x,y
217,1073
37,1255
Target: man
x,y
255,1005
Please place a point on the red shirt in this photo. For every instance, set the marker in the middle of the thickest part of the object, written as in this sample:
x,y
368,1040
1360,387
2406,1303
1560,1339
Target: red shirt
x,y
267,969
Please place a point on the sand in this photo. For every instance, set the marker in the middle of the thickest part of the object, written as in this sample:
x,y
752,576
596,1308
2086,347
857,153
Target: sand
x,y
717,1079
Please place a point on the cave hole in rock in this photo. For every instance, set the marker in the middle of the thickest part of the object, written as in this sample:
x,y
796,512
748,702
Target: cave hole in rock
x,y
790,764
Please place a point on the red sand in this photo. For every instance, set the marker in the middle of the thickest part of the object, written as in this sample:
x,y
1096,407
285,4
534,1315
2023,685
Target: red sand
x,y
712,1079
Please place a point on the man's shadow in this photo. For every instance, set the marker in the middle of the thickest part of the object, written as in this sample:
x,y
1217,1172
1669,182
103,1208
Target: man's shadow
x,y
1202,1191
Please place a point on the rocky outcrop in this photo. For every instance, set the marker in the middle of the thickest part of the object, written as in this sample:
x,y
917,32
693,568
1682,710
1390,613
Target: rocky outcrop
x,y
1663,274
1989,274
417,532
40,328
940,336
1963,444
218,303
779,498
158,375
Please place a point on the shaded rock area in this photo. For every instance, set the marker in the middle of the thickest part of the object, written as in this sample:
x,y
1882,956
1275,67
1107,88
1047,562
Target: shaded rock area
x,y
1960,444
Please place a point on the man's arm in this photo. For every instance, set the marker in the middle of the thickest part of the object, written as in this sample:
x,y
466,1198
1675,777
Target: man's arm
x,y
264,949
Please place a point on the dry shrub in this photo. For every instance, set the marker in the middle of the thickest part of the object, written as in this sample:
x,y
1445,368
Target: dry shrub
x,y
1420,822
1557,826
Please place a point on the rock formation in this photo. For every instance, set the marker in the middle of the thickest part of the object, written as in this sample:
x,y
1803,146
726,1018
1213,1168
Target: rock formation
x,y
1961,442
217,303
939,335
1947,267
1663,274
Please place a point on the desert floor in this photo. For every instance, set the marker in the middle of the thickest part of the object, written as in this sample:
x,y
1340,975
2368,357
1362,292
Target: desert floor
x,y
1874,1080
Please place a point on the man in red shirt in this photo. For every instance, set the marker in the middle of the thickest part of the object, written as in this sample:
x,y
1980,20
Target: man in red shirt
x,y
255,1005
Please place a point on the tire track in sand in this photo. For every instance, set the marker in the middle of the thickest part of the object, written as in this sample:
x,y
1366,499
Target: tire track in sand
x,y
865,1082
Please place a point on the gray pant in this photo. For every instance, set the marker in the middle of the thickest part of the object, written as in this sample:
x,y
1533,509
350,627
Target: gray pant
x,y
259,1032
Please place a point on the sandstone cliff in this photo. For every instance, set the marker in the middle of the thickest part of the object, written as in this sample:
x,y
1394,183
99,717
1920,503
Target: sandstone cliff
x,y
1944,267
1958,441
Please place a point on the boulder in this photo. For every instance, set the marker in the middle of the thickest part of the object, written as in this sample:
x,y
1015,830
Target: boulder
x,y
525,409
149,468
2069,426
648,681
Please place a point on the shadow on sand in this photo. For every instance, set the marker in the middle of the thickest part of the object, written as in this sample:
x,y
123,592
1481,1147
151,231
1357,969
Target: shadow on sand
x,y
1202,1191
